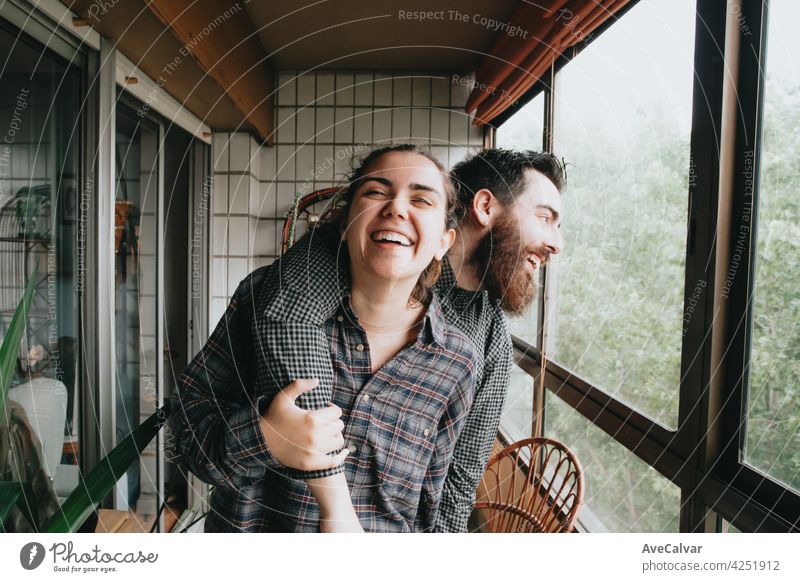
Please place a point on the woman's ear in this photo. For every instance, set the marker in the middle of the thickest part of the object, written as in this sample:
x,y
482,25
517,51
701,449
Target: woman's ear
x,y
448,238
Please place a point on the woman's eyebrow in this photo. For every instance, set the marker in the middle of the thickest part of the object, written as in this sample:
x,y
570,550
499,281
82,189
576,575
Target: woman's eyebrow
x,y
414,186
384,181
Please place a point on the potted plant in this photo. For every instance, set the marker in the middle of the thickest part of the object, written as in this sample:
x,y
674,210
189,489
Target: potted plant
x,y
33,205
21,493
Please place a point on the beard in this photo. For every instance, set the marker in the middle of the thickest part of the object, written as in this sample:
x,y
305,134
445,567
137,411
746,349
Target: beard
x,y
502,264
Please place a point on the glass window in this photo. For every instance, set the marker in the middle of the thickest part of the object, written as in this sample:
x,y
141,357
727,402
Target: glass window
x,y
518,408
136,236
524,129
41,220
773,420
623,493
623,128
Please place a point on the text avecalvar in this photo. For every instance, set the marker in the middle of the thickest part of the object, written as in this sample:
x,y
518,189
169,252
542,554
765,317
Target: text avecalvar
x,y
671,549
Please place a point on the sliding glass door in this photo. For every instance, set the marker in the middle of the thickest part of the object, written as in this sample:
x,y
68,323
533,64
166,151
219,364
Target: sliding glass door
x,y
42,236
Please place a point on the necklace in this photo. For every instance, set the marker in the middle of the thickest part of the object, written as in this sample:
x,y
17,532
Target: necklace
x,y
381,326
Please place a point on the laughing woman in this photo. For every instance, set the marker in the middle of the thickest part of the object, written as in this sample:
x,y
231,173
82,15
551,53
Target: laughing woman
x,y
402,377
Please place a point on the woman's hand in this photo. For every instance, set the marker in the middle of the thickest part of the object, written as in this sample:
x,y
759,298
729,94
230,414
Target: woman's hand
x,y
301,439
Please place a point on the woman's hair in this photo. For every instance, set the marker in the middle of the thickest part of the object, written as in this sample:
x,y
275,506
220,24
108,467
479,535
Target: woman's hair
x,y
338,213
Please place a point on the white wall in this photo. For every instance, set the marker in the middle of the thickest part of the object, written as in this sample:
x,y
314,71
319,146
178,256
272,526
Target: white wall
x,y
322,118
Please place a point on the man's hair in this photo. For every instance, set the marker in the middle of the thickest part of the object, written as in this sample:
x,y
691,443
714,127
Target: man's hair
x,y
502,172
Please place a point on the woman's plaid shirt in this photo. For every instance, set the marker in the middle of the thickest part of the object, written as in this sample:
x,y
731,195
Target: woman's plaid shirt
x,y
216,429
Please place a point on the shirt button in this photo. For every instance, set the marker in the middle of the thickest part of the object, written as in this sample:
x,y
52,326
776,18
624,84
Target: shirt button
x,y
360,347
352,448
426,432
339,318
365,398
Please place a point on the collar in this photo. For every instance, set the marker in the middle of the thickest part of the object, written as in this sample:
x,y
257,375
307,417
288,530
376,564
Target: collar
x,y
433,321
447,280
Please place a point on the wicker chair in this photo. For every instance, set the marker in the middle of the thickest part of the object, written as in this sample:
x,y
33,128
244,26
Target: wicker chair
x,y
534,485
302,205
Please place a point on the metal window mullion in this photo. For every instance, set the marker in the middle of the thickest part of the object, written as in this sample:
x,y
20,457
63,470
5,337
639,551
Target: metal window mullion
x,y
159,356
547,302
699,391
88,436
105,389
198,491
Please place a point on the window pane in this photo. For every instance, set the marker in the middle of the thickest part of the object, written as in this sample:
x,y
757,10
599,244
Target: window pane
x,y
625,114
773,422
136,257
41,220
518,409
623,493
524,129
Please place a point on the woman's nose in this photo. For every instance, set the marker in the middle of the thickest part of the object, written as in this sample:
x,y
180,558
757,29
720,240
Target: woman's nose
x,y
396,207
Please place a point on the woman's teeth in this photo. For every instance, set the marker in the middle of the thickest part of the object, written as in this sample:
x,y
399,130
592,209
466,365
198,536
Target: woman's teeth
x,y
387,236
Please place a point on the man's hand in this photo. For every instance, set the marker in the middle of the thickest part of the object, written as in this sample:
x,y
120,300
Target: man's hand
x,y
301,439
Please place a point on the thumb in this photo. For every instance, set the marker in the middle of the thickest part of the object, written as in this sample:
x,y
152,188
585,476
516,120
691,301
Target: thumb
x,y
338,458
298,387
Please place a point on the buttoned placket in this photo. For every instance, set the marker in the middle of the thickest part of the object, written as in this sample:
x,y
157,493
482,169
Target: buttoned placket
x,y
365,396
357,348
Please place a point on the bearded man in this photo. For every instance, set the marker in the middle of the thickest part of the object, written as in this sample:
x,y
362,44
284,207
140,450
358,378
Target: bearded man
x,y
509,223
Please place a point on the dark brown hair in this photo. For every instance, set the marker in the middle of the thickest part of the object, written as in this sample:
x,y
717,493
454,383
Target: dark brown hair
x,y
503,172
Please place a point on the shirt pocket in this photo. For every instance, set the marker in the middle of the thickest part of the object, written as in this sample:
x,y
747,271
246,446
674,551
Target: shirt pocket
x,y
403,443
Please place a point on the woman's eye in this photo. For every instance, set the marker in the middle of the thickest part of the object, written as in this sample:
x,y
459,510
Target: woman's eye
x,y
374,193
423,201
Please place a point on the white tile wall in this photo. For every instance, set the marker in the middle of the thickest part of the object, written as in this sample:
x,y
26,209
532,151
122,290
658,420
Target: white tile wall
x,y
319,117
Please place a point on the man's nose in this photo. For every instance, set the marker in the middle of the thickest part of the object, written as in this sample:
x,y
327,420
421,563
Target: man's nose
x,y
554,242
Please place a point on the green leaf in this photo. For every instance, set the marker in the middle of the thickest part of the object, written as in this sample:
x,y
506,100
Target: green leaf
x,y
9,350
21,495
9,493
81,502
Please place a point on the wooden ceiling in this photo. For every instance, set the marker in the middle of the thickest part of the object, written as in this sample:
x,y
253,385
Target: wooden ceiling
x,y
144,39
378,34
217,57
